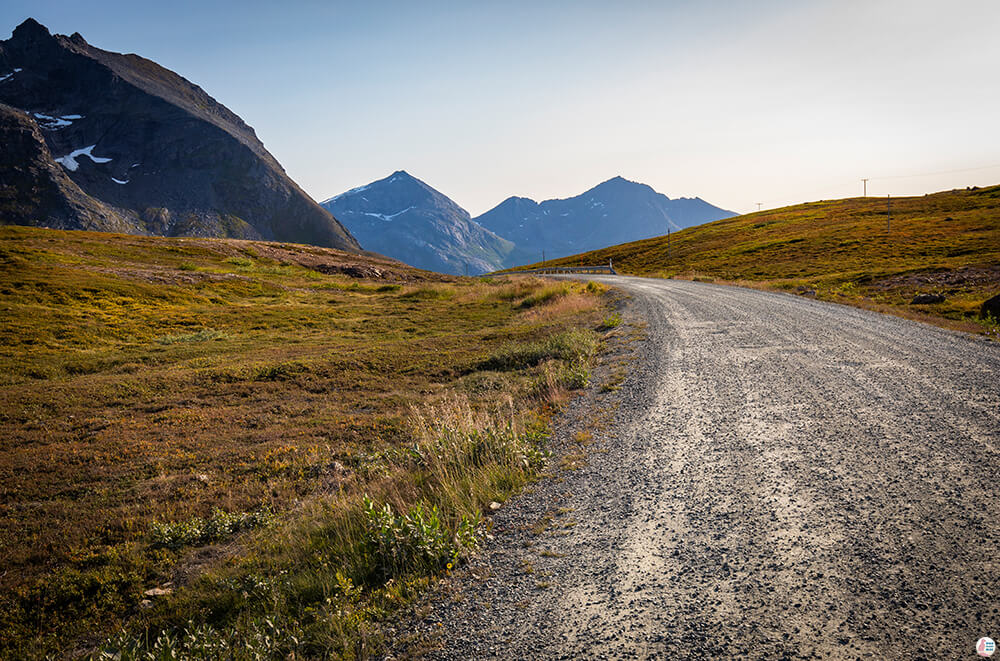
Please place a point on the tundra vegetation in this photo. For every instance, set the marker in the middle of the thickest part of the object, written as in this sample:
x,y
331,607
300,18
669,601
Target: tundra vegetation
x,y
232,449
859,251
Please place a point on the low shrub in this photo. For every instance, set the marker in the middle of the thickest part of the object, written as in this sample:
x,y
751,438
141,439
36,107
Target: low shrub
x,y
572,345
414,541
427,294
198,531
276,372
545,295
613,321
203,335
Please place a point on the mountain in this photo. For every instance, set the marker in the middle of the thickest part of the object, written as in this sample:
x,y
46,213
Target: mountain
x,y
139,149
402,217
616,211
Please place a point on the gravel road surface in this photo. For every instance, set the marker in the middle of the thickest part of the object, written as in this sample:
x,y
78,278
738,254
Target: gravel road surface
x,y
782,478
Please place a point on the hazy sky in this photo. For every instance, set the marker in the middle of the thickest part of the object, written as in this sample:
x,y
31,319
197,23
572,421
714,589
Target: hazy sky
x,y
764,101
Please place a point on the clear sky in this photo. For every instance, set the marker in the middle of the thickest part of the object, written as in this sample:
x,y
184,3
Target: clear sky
x,y
770,101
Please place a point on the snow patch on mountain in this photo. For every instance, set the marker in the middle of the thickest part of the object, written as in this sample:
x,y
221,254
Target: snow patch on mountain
x,y
69,160
51,123
388,217
359,189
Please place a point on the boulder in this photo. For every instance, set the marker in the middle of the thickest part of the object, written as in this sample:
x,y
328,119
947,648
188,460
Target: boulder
x,y
990,308
924,299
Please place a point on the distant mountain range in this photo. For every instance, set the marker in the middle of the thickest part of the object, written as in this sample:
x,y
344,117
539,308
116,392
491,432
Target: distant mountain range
x,y
616,211
402,217
103,141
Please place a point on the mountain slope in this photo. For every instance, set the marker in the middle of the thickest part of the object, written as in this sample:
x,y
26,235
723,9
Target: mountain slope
x,y
33,185
404,218
142,140
946,244
613,212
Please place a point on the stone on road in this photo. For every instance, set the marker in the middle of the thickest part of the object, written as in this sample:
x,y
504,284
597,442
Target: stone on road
x,y
785,478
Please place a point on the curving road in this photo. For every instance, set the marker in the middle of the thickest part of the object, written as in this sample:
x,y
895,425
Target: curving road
x,y
784,478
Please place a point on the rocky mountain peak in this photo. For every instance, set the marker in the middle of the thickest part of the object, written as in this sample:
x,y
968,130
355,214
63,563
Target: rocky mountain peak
x,y
403,217
30,30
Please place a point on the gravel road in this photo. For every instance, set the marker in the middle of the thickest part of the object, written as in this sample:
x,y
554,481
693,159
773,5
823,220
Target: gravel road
x,y
782,478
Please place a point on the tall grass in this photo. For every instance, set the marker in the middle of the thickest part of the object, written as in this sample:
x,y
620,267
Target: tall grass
x,y
318,587
571,345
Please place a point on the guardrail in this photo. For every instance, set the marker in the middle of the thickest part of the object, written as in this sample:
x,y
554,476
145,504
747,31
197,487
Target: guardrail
x,y
609,268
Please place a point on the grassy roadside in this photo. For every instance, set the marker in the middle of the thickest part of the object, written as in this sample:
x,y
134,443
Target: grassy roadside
x,y
254,450
946,244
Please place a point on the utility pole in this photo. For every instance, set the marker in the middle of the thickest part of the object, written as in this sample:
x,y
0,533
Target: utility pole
x,y
758,206
866,186
543,258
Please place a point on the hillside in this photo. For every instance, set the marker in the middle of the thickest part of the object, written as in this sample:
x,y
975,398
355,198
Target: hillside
x,y
612,212
154,152
947,243
189,430
403,217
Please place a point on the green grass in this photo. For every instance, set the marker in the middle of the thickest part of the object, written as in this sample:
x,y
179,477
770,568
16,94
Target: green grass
x,y
213,414
946,243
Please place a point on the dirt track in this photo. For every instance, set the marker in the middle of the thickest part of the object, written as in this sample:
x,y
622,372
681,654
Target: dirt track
x,y
784,479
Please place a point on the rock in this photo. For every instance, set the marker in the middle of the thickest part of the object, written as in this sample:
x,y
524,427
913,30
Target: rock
x,y
923,299
145,604
991,308
494,506
158,592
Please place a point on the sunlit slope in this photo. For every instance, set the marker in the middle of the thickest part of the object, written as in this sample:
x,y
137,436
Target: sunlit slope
x,y
946,243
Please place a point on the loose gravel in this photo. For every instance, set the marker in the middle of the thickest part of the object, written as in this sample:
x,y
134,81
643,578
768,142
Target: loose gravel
x,y
777,478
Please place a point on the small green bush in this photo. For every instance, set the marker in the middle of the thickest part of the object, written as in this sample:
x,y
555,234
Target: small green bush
x,y
412,541
198,531
260,639
613,321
